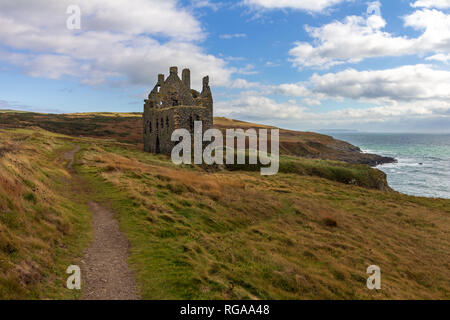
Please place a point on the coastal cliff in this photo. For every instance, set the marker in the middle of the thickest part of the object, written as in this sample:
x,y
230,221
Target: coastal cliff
x,y
127,127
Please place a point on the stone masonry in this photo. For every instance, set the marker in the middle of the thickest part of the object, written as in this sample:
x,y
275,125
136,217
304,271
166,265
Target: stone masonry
x,y
172,104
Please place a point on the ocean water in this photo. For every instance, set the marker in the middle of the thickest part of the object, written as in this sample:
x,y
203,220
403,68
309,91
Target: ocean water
x,y
423,167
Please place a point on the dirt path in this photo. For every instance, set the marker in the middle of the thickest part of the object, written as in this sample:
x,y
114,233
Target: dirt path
x,y
70,156
104,269
104,266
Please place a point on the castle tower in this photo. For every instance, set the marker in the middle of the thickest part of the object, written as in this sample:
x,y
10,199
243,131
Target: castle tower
x,y
171,105
186,78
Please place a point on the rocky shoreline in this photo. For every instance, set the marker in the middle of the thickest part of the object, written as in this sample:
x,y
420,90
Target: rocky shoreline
x,y
352,154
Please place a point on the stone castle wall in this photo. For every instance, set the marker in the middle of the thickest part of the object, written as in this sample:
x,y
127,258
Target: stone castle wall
x,y
171,105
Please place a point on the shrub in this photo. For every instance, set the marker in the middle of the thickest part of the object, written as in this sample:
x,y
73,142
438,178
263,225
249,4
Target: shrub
x,y
330,222
29,196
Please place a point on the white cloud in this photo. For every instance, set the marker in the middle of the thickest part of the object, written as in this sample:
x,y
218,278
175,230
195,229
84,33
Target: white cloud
x,y
311,102
243,84
247,70
272,64
358,38
232,36
306,5
406,83
258,107
445,58
292,89
124,16
436,31
440,4
117,40
407,92
206,4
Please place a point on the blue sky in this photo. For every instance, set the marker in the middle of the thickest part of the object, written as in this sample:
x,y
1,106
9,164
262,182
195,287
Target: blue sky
x,y
311,64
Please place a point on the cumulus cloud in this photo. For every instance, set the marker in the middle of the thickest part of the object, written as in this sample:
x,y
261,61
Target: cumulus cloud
x,y
357,38
407,92
259,107
440,4
405,83
118,40
410,83
292,89
306,5
445,58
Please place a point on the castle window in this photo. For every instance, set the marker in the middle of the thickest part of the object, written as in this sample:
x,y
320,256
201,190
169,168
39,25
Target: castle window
x,y
167,122
162,123
149,126
157,124
191,123
158,89
197,118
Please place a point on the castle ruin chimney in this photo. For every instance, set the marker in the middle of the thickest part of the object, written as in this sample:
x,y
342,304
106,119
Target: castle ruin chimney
x,y
205,84
174,70
206,81
186,78
160,79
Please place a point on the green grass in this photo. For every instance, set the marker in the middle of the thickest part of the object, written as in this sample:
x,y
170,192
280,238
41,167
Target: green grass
x,y
44,226
359,175
238,235
308,232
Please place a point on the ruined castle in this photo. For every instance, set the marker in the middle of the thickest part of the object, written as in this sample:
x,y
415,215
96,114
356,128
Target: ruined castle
x,y
172,104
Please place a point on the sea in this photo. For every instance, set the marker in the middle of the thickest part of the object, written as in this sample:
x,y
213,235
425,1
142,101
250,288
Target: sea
x,y
423,167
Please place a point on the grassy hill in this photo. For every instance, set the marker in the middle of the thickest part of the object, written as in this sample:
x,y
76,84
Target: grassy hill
x,y
127,127
308,232
44,221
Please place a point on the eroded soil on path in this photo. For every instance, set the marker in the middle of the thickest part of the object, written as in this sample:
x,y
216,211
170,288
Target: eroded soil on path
x,y
105,274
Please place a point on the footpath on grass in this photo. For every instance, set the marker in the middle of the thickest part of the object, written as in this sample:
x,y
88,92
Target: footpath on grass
x,y
104,268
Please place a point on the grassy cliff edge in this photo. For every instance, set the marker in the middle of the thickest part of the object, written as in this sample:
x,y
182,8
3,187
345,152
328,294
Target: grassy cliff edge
x,y
306,233
127,127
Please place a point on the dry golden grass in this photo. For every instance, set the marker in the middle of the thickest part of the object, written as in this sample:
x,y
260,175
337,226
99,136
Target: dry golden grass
x,y
240,235
213,235
39,225
105,114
